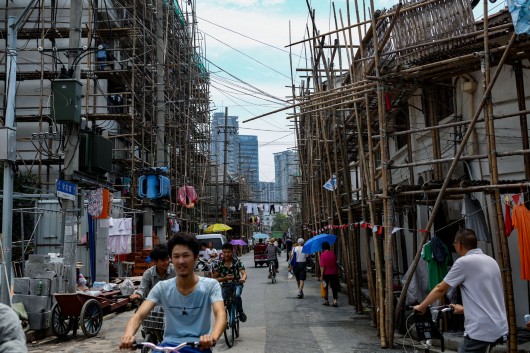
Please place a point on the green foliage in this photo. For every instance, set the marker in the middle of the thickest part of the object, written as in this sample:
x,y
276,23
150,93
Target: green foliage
x,y
280,222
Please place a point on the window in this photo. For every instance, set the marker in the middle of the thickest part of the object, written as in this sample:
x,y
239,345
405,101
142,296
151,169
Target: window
x,y
438,101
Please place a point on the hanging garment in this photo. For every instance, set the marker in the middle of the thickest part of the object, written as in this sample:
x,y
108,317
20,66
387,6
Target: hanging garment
x,y
436,271
475,219
508,226
181,195
99,203
418,288
120,226
192,196
187,196
175,226
119,244
119,241
521,222
439,250
95,202
249,208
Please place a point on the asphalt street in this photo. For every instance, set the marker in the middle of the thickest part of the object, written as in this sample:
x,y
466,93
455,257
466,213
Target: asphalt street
x,y
277,322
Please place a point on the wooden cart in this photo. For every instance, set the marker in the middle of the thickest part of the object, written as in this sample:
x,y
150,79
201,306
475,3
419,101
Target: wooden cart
x,y
72,309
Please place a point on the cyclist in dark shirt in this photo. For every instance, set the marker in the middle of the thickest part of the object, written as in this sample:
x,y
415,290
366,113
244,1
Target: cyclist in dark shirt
x,y
231,271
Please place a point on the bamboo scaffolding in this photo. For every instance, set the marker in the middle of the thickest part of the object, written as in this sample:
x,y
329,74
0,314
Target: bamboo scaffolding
x,y
353,152
459,152
462,158
456,123
360,23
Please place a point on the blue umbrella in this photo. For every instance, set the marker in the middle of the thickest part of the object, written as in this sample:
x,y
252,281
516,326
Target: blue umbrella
x,y
315,244
260,236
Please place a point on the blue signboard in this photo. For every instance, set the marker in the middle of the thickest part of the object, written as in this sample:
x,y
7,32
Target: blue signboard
x,y
66,190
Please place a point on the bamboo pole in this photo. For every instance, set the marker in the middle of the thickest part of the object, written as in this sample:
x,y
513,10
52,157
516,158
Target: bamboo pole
x,y
387,320
502,244
458,154
292,106
369,181
385,38
355,262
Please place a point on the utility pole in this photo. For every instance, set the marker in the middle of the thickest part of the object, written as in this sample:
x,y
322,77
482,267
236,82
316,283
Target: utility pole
x,y
160,114
14,24
71,209
225,164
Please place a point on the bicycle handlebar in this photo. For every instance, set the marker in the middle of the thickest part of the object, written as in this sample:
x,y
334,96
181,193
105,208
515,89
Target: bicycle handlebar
x,y
140,345
443,308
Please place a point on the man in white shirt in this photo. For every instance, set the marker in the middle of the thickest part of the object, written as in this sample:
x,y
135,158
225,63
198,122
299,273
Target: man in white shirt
x,y
212,252
479,278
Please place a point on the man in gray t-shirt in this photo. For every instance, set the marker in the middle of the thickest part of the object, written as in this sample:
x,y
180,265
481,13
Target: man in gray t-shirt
x,y
479,278
12,337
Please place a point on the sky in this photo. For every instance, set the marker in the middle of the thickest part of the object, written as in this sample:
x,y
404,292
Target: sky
x,y
245,48
246,39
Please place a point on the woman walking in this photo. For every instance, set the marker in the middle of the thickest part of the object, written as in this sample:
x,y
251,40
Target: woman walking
x,y
329,272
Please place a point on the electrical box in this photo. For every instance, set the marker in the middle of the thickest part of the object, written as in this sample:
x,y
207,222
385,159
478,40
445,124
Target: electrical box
x,y
95,154
66,101
8,144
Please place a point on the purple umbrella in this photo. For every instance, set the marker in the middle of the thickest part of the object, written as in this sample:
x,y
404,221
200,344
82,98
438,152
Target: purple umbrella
x,y
237,242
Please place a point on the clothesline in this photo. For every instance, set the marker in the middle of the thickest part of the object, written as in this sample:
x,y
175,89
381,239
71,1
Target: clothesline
x,y
378,229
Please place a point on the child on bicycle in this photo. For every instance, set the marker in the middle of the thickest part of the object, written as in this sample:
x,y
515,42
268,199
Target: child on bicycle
x,y
187,301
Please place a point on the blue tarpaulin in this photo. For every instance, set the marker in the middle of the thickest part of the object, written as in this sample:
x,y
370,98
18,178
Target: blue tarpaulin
x,y
520,11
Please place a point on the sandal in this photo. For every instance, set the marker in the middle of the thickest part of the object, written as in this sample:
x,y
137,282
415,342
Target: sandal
x,y
325,303
334,305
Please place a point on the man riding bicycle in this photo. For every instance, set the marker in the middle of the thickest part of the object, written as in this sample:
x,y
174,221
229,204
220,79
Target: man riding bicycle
x,y
187,301
231,271
272,254
162,270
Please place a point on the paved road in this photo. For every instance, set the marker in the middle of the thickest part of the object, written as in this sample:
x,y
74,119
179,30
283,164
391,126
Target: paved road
x,y
277,322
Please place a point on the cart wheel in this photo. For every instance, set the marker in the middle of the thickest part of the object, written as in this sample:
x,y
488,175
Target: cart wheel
x,y
91,318
61,325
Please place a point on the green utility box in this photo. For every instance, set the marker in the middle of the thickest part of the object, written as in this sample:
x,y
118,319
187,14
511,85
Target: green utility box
x,y
66,101
95,154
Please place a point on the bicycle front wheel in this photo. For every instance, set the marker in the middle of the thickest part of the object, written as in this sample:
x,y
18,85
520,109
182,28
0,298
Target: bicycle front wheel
x,y
236,326
229,332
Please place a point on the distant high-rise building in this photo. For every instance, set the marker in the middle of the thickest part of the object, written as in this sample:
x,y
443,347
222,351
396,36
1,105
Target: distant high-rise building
x,y
249,162
218,139
286,166
268,192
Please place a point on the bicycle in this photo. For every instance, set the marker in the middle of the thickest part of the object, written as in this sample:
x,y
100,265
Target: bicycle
x,y
153,327
148,346
427,328
232,316
272,271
